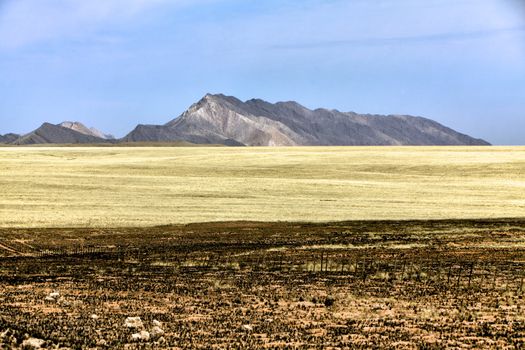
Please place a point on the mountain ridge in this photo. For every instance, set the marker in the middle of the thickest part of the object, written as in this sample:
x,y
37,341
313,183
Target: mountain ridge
x,y
49,133
8,138
81,128
255,122
226,120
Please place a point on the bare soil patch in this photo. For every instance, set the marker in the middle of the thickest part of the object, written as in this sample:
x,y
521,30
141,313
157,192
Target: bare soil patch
x,y
404,284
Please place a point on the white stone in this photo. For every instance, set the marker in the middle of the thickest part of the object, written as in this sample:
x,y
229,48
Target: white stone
x,y
142,335
156,332
133,322
63,302
33,343
247,327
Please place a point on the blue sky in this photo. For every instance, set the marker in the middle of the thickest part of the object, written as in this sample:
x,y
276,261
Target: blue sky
x,y
115,63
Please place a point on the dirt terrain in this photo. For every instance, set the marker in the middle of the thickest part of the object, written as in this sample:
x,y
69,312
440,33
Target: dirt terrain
x,y
402,284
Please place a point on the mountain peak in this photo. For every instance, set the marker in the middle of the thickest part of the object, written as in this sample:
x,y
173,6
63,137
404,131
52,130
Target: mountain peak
x,y
58,134
216,118
209,102
212,97
81,128
220,98
68,124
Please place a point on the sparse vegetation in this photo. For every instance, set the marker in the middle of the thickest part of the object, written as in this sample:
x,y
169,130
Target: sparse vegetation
x,y
225,285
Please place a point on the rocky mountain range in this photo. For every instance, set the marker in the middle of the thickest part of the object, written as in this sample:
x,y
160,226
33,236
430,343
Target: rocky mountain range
x,y
226,120
8,138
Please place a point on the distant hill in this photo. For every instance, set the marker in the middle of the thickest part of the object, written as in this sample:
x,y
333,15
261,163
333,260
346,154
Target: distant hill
x,y
219,119
81,128
8,138
56,134
226,120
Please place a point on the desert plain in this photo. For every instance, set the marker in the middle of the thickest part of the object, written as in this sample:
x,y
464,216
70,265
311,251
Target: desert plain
x,y
120,187
243,248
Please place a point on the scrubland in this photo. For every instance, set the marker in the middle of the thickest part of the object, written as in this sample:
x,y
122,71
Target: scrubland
x,y
395,285
144,186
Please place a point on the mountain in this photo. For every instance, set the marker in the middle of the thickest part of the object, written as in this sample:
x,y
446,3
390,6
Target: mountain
x,y
56,134
8,138
219,119
81,128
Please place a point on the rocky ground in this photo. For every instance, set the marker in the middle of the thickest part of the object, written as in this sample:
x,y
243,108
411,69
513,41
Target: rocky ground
x,y
399,285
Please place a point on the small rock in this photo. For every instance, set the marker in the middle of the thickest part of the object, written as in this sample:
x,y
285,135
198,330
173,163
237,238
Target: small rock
x,y
52,296
156,332
94,317
133,322
141,336
157,323
247,327
63,302
33,343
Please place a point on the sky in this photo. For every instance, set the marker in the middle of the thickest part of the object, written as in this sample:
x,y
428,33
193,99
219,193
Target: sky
x,y
114,64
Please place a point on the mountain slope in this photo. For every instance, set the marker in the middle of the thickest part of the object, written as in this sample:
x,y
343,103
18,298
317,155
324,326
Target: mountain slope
x,y
56,134
8,138
227,120
81,128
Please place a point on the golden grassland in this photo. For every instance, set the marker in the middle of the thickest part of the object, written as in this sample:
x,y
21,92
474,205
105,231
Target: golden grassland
x,y
145,186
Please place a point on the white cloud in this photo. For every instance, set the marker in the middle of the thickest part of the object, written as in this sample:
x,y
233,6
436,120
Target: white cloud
x,y
24,22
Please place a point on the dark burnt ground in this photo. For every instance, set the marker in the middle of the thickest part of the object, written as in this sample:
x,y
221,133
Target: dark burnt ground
x,y
408,284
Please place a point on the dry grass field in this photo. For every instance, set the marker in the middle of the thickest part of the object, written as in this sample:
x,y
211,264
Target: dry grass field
x,y
118,187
